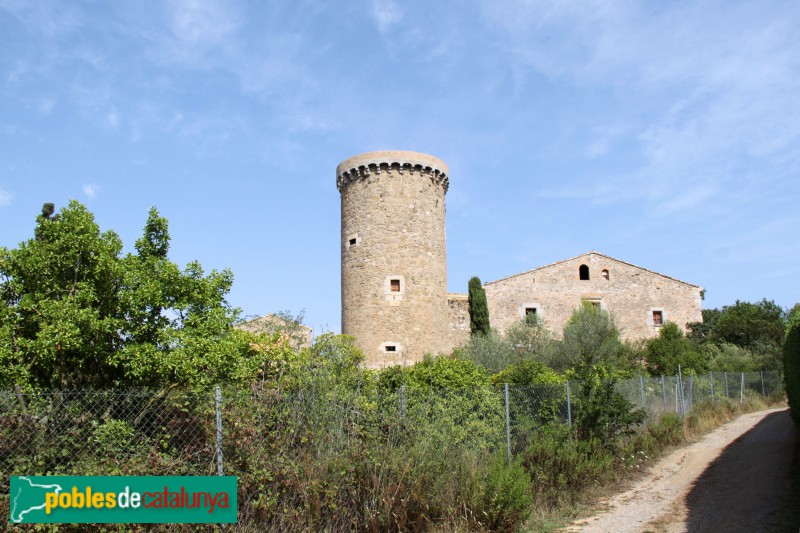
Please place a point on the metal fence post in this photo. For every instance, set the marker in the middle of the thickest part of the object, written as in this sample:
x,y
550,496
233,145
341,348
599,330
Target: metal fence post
x,y
711,382
741,390
641,390
691,391
569,407
218,406
680,387
664,392
403,405
508,426
677,406
727,394
641,396
763,390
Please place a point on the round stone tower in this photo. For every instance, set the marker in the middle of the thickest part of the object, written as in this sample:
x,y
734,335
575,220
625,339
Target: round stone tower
x,y
394,259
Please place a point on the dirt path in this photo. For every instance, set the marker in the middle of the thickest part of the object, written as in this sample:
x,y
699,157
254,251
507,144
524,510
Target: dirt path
x,y
731,480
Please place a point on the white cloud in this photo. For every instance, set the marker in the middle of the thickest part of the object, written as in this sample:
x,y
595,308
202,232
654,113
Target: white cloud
x,y
5,197
45,106
202,21
91,190
112,119
386,13
705,88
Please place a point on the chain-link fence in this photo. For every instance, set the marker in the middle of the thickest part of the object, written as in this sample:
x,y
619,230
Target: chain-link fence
x,y
320,432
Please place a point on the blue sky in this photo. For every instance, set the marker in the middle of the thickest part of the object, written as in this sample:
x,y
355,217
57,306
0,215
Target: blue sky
x,y
666,134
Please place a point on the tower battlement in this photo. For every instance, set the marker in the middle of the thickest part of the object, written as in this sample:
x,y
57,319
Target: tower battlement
x,y
362,165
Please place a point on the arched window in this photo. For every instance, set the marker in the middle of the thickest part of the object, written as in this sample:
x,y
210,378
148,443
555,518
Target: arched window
x,y
583,272
604,273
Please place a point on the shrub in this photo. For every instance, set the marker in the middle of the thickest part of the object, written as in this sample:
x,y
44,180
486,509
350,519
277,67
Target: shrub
x,y
562,467
791,365
670,349
590,338
527,373
506,499
492,351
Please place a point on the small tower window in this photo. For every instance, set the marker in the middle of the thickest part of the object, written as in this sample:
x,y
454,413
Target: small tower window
x,y
530,311
353,240
583,272
604,273
395,285
391,347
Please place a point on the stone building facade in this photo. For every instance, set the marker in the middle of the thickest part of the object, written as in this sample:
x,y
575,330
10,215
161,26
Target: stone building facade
x,y
295,333
394,271
640,300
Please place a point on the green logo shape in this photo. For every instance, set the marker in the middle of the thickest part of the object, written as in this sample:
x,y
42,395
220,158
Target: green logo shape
x,y
123,499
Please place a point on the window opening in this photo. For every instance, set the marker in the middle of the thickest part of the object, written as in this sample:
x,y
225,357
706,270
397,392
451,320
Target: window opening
x,y
658,318
604,274
391,348
583,272
530,311
353,241
395,285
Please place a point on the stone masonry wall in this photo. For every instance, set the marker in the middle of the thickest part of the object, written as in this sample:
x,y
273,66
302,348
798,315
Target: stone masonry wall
x,y
394,270
458,313
630,294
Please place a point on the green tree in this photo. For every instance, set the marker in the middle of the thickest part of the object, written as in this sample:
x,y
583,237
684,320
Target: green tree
x,y
670,349
700,332
478,308
530,339
590,338
593,350
750,325
61,314
78,314
493,352
755,328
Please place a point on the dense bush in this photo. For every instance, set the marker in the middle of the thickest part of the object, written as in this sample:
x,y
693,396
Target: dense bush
x,y
791,362
493,352
527,373
670,349
726,357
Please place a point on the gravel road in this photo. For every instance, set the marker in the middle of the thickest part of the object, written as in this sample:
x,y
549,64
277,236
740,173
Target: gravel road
x,y
732,480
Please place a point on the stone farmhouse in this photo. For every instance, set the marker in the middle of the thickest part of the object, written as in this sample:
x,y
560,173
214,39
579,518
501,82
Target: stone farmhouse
x,y
394,271
291,331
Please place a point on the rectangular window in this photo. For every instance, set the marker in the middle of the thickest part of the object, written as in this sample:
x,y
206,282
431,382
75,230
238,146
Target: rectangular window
x,y
353,241
658,318
530,311
594,303
391,348
395,285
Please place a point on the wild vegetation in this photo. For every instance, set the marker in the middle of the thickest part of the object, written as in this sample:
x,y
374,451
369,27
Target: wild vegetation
x,y
791,361
317,441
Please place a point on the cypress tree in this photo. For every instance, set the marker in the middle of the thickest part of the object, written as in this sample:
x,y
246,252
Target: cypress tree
x,y
478,308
